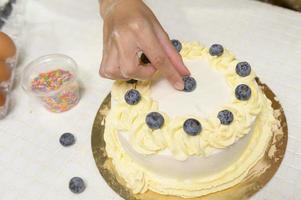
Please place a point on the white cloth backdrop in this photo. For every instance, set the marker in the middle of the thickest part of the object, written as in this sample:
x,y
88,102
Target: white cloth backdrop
x,y
33,165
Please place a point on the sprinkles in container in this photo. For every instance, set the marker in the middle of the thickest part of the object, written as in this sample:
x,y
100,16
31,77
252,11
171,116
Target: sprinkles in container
x,y
53,80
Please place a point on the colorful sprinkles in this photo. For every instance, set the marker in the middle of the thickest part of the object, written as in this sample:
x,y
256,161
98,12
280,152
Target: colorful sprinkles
x,y
50,81
65,90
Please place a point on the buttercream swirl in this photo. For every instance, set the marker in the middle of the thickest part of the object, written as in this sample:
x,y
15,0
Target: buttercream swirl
x,y
145,140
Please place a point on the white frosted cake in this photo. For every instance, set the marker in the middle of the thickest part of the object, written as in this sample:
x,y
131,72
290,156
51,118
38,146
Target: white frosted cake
x,y
194,142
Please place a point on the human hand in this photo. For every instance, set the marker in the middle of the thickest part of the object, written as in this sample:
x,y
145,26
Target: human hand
x,y
129,28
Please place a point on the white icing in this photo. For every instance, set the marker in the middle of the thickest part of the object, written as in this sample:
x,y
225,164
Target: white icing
x,y
211,93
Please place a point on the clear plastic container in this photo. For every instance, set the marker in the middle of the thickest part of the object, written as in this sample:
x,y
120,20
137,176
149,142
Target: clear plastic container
x,y
4,103
53,80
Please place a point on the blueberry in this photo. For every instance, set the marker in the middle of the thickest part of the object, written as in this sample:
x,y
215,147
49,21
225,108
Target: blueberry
x,y
243,69
77,185
225,117
243,92
132,81
189,84
67,139
177,44
216,50
6,11
132,97
192,127
144,59
154,120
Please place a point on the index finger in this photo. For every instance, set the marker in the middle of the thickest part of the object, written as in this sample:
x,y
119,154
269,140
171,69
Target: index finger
x,y
160,60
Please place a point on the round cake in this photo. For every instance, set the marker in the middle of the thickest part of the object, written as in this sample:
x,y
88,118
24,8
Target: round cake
x,y
193,142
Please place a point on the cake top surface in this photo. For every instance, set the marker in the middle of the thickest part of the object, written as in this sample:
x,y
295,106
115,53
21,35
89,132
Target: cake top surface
x,y
211,92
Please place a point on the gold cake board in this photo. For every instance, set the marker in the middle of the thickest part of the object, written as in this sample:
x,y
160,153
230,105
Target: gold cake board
x,y
257,177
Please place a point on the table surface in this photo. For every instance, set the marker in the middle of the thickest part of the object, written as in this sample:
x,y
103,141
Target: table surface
x,y
34,165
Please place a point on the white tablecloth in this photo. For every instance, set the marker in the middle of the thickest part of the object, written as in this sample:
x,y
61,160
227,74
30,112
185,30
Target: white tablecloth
x,y
33,165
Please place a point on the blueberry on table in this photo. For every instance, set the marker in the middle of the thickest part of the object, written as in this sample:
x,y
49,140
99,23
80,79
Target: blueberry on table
x,y
177,44
243,92
192,127
243,69
154,120
77,185
225,117
189,83
67,139
132,81
216,50
144,59
132,97
6,11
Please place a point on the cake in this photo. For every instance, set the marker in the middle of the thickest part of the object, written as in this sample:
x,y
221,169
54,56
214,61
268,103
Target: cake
x,y
194,142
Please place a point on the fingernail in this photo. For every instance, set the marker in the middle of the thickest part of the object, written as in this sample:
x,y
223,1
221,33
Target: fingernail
x,y
179,85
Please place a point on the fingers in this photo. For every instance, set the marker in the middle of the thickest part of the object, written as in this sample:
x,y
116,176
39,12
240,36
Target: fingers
x,y
171,52
139,72
155,52
120,61
129,61
109,67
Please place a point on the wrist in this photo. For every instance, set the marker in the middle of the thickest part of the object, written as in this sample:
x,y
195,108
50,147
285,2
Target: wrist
x,y
106,6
